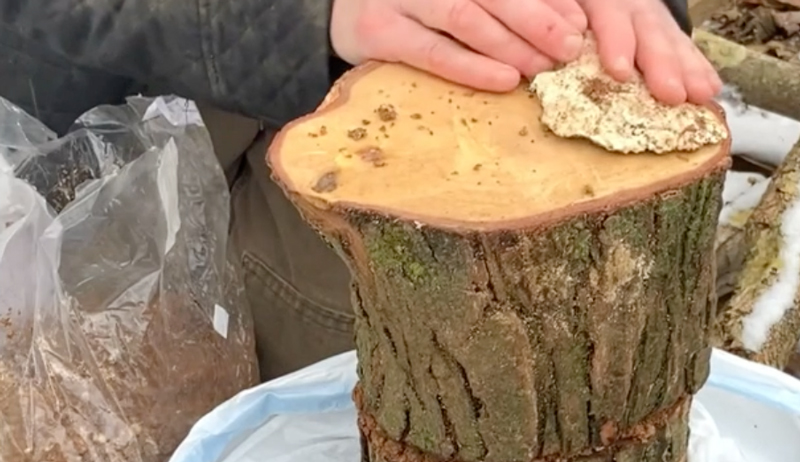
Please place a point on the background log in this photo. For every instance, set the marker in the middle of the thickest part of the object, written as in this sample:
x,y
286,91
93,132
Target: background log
x,y
770,245
762,80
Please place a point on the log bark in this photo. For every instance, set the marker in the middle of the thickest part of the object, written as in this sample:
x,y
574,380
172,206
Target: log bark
x,y
501,317
762,80
731,243
765,242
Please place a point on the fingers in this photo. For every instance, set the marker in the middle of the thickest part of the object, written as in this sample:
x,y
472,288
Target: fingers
x,y
477,29
571,11
425,49
658,60
533,20
701,80
616,39
674,69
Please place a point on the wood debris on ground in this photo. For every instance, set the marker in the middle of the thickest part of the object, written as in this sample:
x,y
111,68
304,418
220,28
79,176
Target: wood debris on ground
x,y
769,26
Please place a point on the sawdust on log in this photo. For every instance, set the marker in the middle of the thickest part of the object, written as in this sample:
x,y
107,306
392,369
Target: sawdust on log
x,y
581,101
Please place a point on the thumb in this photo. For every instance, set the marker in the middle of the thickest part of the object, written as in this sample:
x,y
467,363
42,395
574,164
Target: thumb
x,y
347,23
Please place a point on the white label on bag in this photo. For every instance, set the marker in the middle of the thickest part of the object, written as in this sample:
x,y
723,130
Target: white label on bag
x,y
220,321
178,111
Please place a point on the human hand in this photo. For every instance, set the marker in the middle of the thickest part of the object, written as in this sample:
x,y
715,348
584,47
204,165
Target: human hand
x,y
643,33
484,44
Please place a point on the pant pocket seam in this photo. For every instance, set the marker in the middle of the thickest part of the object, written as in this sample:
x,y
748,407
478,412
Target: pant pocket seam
x,y
303,306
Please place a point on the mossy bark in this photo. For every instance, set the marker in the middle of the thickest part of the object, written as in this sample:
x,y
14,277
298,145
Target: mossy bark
x,y
763,240
762,80
662,439
516,345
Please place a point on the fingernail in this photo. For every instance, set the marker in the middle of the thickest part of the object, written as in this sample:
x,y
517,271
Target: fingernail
x,y
572,46
717,81
579,21
507,79
677,89
621,66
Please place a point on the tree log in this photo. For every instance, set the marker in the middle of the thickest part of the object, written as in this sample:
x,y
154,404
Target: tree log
x,y
731,243
518,296
761,321
769,83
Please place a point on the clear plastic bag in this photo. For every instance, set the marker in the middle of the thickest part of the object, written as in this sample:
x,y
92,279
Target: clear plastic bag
x,y
122,318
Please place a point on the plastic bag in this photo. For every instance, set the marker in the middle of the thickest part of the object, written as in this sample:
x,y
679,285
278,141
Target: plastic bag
x,y
126,318
746,412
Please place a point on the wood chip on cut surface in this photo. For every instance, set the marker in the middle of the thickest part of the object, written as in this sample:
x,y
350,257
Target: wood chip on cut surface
x,y
581,101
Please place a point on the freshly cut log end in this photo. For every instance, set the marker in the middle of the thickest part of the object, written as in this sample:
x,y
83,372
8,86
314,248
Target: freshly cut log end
x,y
402,142
518,296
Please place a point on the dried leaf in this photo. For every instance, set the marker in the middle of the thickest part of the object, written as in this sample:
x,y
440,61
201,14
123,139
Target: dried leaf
x,y
763,25
774,4
788,21
789,3
778,49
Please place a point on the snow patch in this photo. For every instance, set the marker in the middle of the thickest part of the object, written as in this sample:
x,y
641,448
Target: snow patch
x,y
738,183
762,135
741,193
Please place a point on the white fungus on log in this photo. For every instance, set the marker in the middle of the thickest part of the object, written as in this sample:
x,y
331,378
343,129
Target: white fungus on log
x,y
580,100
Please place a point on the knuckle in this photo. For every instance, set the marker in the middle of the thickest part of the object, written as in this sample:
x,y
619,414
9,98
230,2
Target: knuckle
x,y
435,55
367,26
550,29
371,30
459,15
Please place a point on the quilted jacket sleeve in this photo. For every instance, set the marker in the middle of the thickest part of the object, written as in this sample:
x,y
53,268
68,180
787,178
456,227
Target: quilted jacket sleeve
x,y
264,58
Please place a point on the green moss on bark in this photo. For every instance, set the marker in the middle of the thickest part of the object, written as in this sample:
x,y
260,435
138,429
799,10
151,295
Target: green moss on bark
x,y
523,344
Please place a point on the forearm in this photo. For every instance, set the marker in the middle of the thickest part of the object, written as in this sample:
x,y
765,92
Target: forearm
x,y
264,58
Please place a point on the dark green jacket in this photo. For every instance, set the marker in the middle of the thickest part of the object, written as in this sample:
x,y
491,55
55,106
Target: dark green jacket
x,y
268,59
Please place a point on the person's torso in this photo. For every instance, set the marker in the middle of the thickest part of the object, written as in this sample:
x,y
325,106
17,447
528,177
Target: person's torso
x,y
49,87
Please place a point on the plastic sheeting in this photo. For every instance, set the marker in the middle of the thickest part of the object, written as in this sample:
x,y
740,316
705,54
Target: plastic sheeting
x,y
746,412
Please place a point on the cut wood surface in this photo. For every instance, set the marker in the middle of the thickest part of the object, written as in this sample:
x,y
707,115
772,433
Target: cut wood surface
x,y
518,296
452,157
761,321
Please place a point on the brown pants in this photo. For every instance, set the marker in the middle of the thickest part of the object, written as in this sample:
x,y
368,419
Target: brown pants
x,y
297,286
